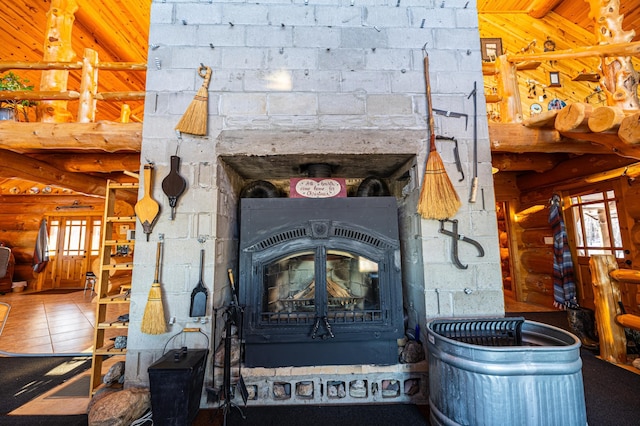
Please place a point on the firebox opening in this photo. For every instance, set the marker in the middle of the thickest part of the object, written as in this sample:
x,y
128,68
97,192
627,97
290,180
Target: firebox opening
x,y
351,293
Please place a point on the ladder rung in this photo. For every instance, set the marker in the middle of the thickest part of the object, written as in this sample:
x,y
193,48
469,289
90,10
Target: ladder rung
x,y
126,185
121,218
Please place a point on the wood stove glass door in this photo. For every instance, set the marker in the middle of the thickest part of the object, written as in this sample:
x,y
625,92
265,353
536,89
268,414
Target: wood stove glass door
x,y
350,292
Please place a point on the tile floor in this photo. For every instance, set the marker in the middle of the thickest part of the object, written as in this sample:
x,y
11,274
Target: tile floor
x,y
44,323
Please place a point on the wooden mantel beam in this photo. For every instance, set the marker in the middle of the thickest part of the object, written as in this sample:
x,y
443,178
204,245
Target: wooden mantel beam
x,y
102,136
18,166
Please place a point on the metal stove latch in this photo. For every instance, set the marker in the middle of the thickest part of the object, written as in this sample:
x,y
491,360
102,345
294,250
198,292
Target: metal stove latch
x,y
327,326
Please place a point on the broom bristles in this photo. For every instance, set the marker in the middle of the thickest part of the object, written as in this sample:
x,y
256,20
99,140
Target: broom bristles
x,y
438,198
153,321
194,120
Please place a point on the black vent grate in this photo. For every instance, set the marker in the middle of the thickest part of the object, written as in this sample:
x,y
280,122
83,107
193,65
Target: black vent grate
x,y
282,237
363,237
483,332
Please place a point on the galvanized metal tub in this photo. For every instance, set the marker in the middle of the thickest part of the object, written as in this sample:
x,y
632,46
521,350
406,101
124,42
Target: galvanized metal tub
x,y
504,371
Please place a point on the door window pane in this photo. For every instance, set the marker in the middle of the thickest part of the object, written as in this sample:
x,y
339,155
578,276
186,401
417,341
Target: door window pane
x,y
597,225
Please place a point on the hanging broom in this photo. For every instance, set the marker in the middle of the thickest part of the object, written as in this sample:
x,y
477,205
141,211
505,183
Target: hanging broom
x,y
153,321
438,198
194,120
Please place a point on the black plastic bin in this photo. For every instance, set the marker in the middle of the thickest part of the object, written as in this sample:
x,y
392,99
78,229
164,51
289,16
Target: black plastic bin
x,y
176,385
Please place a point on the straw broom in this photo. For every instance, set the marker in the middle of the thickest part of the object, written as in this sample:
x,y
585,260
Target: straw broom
x,y
438,198
153,321
194,120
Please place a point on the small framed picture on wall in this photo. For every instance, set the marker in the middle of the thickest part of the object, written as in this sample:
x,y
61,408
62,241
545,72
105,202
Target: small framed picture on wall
x,y
491,48
554,79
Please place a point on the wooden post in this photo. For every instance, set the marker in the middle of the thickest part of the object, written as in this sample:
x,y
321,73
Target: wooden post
x,y
57,47
620,79
606,294
88,87
508,91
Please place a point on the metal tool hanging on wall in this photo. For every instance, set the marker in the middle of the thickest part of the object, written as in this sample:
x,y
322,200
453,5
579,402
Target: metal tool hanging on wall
x,y
456,154
454,245
174,185
474,181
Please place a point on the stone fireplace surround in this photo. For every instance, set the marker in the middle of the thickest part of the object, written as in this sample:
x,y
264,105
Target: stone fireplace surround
x,y
276,156
356,101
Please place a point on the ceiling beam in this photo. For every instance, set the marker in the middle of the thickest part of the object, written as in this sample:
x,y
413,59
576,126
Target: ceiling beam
x,y
514,137
92,163
18,166
539,8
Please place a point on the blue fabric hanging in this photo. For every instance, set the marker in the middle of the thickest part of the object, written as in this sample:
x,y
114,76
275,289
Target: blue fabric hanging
x,y
564,286
41,252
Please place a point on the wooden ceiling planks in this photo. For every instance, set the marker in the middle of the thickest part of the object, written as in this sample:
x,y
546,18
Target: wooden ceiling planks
x,y
116,29
517,30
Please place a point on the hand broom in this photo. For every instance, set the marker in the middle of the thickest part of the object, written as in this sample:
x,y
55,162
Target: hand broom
x,y
438,198
153,321
194,120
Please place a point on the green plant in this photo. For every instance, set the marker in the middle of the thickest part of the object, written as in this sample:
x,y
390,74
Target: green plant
x,y
13,82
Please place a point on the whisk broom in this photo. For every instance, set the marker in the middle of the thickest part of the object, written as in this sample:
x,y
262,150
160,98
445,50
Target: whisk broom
x,y
438,198
194,120
153,321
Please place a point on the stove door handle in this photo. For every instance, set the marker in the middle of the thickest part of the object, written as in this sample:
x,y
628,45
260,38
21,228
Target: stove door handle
x,y
328,327
316,326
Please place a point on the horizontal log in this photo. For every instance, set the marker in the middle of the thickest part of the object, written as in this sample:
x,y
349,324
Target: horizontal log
x,y
108,137
544,119
524,162
13,165
537,298
514,137
629,276
29,95
629,321
606,118
51,65
121,96
629,130
94,162
538,219
577,168
23,272
539,260
535,237
11,222
574,117
605,50
542,283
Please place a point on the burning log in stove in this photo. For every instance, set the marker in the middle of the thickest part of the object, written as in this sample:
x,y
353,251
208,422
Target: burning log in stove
x,y
305,298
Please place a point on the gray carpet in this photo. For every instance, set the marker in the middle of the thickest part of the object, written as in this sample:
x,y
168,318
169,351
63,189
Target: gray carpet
x,y
611,392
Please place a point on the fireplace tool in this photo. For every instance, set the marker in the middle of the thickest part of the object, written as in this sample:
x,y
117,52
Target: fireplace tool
x,y
233,316
454,246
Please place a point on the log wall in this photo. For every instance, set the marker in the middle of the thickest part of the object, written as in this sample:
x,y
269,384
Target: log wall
x,y
20,221
536,257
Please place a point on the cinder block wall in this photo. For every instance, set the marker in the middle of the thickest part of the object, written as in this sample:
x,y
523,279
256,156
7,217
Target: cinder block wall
x,y
312,66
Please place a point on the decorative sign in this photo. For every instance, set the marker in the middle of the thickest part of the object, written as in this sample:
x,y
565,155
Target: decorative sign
x,y
317,188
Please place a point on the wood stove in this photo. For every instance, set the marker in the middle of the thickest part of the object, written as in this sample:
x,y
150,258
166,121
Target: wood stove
x,y
320,281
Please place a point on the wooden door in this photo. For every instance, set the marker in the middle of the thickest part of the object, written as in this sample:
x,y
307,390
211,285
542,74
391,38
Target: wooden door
x,y
74,242
596,224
